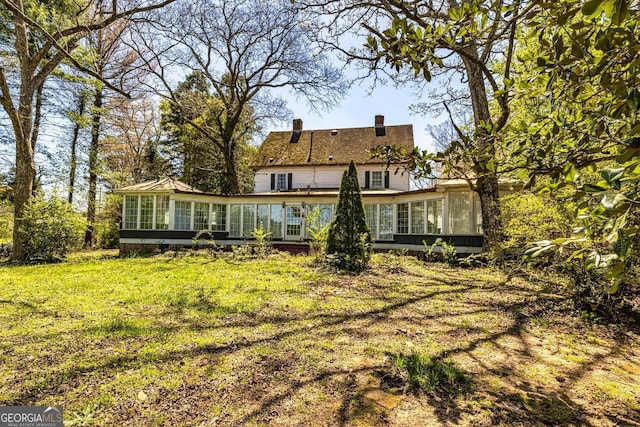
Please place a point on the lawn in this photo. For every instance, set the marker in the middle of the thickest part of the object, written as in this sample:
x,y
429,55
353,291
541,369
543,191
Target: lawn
x,y
198,341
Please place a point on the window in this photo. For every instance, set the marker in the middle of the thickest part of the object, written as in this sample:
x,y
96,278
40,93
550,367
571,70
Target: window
x,y
263,217
434,216
459,212
477,210
275,221
146,212
248,220
417,217
376,179
371,216
403,218
386,222
218,217
319,216
183,216
162,212
131,212
201,216
281,182
294,221
235,224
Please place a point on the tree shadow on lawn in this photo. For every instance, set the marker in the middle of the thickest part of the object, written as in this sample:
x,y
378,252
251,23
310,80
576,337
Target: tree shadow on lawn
x,y
519,402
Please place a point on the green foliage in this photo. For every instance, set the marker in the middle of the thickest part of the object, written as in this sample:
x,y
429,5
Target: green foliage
x,y
6,221
107,225
51,228
424,373
194,125
447,251
319,233
530,217
349,238
262,241
589,72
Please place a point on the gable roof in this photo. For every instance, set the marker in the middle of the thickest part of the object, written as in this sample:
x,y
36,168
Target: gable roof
x,y
315,147
160,185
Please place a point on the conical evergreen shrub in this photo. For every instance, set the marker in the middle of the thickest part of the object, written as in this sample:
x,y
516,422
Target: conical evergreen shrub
x,y
349,240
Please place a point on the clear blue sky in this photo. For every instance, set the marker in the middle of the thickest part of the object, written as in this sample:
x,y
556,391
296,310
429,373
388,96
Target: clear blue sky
x,y
358,109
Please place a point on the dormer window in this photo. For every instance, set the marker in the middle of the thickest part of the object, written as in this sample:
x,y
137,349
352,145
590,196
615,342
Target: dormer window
x,y
281,181
376,180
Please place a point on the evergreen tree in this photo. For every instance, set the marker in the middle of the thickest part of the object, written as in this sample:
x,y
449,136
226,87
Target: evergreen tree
x,y
349,241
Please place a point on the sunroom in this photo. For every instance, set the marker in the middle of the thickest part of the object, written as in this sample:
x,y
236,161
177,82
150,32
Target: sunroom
x,y
170,214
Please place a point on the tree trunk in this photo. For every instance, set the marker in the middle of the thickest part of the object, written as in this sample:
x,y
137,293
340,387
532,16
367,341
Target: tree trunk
x,y
93,169
231,184
487,180
25,166
74,146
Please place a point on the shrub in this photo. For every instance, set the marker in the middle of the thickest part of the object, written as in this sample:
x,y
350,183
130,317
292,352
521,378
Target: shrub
x,y
528,218
6,226
447,251
262,244
319,233
107,224
349,239
52,228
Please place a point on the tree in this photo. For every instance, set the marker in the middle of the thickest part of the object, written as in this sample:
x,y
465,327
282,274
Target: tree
x,y
111,60
130,150
466,38
79,120
248,52
59,27
200,163
349,240
585,132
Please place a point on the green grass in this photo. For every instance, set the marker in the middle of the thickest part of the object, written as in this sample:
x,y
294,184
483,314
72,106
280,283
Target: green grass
x,y
422,372
192,340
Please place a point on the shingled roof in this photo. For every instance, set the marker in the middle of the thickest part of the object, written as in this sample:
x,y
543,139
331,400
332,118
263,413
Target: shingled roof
x,y
160,185
330,147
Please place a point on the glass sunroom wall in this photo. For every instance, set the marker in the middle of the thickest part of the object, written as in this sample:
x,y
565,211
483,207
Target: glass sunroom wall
x,y
386,222
434,216
459,212
275,221
162,212
130,212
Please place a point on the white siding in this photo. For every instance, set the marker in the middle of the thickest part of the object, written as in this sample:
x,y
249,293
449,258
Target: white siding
x,y
317,177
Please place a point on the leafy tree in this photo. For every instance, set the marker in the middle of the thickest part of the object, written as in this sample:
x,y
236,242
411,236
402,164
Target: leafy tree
x,y
201,163
589,92
349,239
467,38
43,35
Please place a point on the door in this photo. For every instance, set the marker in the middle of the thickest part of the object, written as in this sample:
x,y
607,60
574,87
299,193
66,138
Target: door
x,y
293,228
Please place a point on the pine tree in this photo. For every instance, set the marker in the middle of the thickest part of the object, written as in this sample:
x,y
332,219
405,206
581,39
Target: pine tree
x,y
349,241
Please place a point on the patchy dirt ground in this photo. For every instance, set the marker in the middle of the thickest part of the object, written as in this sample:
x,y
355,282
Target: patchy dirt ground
x,y
305,347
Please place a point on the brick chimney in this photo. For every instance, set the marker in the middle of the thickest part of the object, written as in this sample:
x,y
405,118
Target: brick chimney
x,y
297,124
380,130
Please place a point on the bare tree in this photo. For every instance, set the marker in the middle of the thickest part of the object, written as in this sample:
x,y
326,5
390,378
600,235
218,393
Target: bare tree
x,y
130,149
114,62
247,50
59,35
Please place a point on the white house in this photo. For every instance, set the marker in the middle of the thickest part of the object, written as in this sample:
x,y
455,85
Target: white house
x,y
297,172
